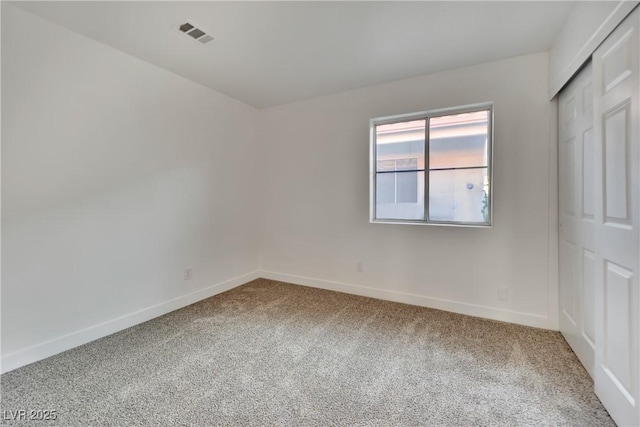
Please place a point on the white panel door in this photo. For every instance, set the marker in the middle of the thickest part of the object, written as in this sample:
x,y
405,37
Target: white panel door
x,y
617,255
577,216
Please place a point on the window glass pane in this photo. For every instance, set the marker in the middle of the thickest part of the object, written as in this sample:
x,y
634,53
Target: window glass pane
x,y
459,195
407,187
459,140
386,188
400,195
400,142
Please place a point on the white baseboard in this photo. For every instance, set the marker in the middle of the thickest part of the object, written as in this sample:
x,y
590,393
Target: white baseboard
x,y
526,319
57,345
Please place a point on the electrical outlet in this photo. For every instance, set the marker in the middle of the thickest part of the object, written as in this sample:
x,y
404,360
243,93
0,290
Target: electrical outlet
x,y
359,266
503,294
188,273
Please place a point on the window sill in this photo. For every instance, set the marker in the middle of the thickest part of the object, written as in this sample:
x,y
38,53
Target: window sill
x,y
440,224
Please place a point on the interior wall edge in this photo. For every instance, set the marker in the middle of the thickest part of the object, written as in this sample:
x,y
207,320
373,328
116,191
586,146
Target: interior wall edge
x,y
492,313
75,339
553,266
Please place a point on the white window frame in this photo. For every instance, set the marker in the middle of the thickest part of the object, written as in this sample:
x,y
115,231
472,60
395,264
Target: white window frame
x,y
426,115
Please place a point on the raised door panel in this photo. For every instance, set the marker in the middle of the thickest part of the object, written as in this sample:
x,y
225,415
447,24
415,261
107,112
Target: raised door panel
x,y
617,61
588,283
616,171
617,340
568,298
567,176
588,184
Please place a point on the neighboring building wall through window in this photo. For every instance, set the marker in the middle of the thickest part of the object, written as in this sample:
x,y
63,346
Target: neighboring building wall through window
x,y
399,187
433,167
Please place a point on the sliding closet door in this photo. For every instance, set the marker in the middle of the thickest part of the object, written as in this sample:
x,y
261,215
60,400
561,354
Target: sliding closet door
x,y
617,255
577,216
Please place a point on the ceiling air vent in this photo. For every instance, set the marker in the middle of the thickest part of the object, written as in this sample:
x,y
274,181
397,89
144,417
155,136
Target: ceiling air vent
x,y
195,32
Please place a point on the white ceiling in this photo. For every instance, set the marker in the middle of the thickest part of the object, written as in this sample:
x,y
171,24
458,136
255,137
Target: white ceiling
x,y
271,53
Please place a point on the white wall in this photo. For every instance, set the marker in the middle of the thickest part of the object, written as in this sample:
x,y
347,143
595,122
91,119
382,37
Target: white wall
x,y
316,198
588,24
116,175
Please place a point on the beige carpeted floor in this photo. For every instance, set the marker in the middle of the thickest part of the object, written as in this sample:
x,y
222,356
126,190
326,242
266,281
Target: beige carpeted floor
x,y
270,353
